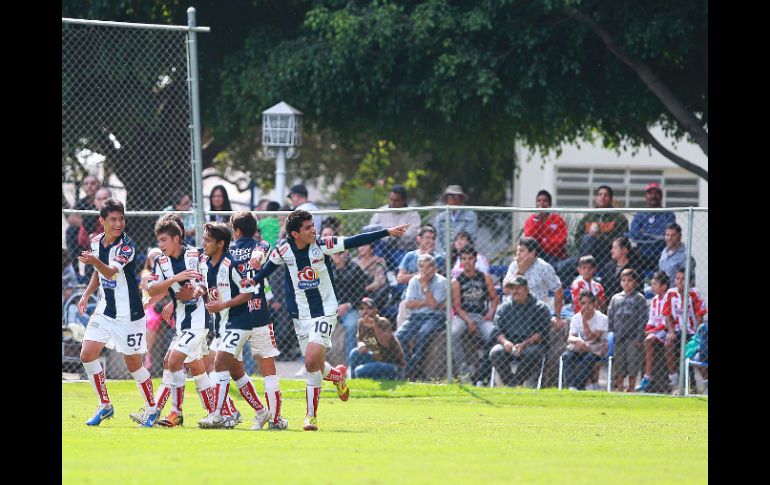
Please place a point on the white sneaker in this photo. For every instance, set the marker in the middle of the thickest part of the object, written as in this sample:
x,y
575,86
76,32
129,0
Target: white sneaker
x,y
260,419
282,423
593,386
301,373
573,388
212,421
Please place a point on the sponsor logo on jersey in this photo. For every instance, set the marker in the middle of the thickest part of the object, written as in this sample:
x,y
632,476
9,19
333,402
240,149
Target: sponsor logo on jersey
x,y
289,260
213,294
308,278
109,283
254,305
317,261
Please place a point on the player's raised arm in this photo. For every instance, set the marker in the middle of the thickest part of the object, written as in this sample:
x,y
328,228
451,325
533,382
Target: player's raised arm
x,y
370,237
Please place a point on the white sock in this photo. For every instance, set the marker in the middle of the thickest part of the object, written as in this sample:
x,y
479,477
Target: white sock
x,y
313,391
98,381
178,378
142,376
223,379
203,383
273,396
327,368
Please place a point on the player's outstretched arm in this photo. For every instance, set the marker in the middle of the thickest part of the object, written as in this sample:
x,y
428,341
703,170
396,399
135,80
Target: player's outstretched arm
x,y
370,237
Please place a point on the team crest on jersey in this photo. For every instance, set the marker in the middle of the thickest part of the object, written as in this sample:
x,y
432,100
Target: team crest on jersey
x,y
213,294
308,278
283,249
315,252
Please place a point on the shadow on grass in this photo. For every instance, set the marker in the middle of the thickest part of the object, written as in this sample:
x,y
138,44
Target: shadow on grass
x,y
472,392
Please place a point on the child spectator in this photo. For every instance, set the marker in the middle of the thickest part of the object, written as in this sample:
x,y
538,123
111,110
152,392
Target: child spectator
x,y
656,330
627,316
584,282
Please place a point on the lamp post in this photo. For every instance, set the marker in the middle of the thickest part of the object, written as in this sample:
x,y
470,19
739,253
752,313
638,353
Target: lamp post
x,y
281,136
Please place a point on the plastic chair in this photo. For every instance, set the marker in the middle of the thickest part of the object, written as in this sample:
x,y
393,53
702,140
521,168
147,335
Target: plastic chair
x,y
493,374
607,358
688,363
498,272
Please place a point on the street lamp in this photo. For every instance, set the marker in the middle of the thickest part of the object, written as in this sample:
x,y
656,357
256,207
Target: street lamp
x,y
281,136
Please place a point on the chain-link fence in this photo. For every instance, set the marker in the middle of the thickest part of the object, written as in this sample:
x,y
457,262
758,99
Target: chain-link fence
x,y
499,335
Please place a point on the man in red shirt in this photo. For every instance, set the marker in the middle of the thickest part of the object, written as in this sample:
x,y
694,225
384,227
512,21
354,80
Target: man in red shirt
x,y
549,229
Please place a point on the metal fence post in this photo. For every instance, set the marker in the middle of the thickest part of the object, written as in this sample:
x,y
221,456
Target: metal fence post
x,y
683,370
197,159
448,268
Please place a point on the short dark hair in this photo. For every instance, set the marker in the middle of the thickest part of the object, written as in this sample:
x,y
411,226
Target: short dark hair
x,y
175,218
111,205
245,222
466,235
177,197
675,227
531,244
631,273
661,277
295,219
545,193
400,190
624,242
469,250
587,259
169,227
609,189
220,232
273,206
426,228
588,294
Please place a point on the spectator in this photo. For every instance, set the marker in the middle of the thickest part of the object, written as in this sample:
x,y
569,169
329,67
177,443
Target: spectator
x,y
331,222
74,221
69,279
181,201
90,185
549,229
298,197
219,201
596,230
350,282
425,297
519,330
674,255
542,281
374,267
585,282
379,354
621,259
461,220
656,330
462,240
648,229
328,231
700,351
270,227
99,197
586,345
398,199
475,301
153,307
408,268
626,317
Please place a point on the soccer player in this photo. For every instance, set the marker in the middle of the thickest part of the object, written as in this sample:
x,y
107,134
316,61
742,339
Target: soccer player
x,y
311,299
119,314
178,273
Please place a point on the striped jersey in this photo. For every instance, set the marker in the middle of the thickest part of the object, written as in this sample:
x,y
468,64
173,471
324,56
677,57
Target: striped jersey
x,y
656,322
189,314
225,282
673,307
242,251
580,285
119,296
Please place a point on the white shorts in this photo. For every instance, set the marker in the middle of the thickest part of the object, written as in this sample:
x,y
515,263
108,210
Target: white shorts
x,y
317,330
191,342
128,336
262,342
232,342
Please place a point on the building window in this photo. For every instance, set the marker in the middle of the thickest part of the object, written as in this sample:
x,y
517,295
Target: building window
x,y
575,187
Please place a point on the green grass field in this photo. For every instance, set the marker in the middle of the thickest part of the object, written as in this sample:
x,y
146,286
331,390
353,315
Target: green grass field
x,y
398,433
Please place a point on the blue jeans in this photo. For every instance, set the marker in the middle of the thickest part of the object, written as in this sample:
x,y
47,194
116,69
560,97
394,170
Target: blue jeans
x,y
350,324
419,327
363,366
577,367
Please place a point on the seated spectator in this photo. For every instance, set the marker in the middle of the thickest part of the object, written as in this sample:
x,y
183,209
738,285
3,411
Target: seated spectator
x,y
621,259
586,345
374,267
328,231
656,331
332,223
674,255
407,269
219,201
460,220
350,283
379,354
626,317
474,300
426,298
462,240
69,279
519,331
700,351
594,234
648,230
549,229
397,199
585,282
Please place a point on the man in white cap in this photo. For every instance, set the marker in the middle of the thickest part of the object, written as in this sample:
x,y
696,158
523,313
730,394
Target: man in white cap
x,y
460,220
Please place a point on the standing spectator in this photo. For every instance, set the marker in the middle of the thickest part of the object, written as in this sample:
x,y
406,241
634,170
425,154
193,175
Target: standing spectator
x,y
90,185
542,281
351,283
474,300
181,201
99,197
586,345
626,316
270,226
585,282
397,199
298,197
460,220
379,354
462,240
69,279
674,255
374,267
519,330
425,297
549,229
407,269
596,230
648,229
219,201
656,330
621,259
